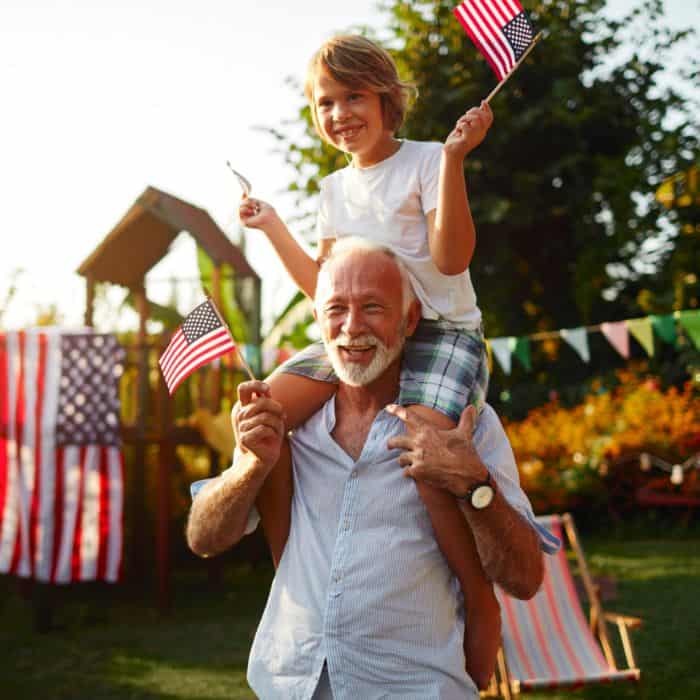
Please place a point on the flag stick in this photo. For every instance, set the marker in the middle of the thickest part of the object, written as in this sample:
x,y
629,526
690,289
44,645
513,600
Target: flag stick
x,y
494,92
246,366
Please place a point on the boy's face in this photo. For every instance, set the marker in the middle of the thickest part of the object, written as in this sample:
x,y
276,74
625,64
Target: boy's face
x,y
350,119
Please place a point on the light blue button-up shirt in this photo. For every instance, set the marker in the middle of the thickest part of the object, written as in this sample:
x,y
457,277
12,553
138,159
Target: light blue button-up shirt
x,y
362,586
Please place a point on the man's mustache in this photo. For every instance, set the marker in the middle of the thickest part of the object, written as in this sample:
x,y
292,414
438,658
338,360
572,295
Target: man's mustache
x,y
359,341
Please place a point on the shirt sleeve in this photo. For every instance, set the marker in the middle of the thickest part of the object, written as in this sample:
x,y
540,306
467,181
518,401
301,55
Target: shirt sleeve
x,y
324,224
429,175
197,486
493,446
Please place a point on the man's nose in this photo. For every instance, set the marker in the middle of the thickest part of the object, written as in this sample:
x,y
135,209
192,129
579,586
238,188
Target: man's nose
x,y
354,323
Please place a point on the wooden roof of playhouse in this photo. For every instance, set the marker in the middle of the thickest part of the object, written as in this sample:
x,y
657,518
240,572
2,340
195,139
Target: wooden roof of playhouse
x,y
145,234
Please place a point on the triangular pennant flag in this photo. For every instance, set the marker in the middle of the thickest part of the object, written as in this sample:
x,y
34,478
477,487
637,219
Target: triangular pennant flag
x,y
578,339
269,356
501,349
618,336
520,347
640,328
489,355
690,320
665,328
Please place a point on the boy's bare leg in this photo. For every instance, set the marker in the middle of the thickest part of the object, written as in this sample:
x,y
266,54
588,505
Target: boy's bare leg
x,y
300,397
482,628
274,504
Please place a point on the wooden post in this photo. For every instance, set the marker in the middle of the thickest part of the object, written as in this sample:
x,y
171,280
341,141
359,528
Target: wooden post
x,y
89,300
213,403
139,537
166,457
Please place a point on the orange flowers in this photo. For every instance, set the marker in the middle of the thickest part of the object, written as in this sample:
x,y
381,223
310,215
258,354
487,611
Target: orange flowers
x,y
562,452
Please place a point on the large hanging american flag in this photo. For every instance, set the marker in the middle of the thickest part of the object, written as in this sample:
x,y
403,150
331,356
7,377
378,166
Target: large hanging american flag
x,y
500,29
61,468
201,338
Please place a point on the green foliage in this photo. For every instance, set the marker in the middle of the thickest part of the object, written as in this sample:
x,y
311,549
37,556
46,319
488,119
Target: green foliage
x,y
562,190
231,311
167,315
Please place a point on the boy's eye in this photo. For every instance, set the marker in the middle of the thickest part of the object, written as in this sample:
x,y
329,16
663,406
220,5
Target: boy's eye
x,y
354,96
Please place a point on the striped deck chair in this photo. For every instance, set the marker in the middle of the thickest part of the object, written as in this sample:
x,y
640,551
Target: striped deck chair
x,y
547,641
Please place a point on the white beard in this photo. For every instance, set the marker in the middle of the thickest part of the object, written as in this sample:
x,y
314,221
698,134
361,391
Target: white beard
x,y
360,375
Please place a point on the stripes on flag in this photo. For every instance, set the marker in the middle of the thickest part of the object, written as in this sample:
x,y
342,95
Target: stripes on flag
x,y
201,338
500,30
61,468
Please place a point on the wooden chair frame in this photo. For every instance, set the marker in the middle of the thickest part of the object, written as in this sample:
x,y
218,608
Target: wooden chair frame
x,y
505,686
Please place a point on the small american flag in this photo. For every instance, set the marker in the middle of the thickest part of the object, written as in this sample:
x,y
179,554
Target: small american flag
x,y
500,29
201,338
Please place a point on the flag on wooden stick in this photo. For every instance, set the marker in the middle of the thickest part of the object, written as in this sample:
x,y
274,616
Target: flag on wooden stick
x,y
500,29
202,337
61,468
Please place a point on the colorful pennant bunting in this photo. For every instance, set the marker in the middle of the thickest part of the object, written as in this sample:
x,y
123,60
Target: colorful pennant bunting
x,y
690,320
520,347
665,328
618,336
641,329
578,339
502,350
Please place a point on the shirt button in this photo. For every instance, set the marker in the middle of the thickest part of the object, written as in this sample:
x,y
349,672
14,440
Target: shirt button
x,y
354,474
336,578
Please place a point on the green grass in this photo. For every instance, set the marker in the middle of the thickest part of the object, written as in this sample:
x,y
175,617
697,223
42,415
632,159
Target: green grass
x,y
110,643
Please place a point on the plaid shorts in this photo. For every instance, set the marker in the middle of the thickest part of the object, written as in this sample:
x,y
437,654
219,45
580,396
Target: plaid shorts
x,y
444,368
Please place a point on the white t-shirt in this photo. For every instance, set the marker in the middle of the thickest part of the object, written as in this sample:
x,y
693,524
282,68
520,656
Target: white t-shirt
x,y
388,203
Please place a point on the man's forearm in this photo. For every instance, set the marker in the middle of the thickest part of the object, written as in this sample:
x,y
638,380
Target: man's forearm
x,y
219,513
508,546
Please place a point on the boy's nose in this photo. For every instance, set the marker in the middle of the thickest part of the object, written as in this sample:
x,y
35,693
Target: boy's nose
x,y
340,112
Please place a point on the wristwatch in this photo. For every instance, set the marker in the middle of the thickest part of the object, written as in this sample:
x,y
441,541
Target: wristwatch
x,y
481,494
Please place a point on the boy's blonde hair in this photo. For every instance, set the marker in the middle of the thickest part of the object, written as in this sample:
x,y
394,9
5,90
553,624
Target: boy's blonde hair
x,y
359,63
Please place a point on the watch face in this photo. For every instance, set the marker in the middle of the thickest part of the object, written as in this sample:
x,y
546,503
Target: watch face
x,y
482,496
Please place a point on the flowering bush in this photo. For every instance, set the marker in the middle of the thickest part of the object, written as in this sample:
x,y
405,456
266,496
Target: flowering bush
x,y
562,453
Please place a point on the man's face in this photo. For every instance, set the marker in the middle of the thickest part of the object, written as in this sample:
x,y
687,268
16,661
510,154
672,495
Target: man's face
x,y
359,310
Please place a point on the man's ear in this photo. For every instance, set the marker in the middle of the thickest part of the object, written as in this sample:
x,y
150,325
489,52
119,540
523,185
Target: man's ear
x,y
412,317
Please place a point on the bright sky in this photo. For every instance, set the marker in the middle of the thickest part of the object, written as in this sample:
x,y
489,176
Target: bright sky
x,y
103,98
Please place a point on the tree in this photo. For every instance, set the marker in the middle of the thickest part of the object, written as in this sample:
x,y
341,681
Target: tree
x,y
562,190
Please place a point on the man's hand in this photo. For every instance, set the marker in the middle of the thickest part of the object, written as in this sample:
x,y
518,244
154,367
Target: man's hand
x,y
444,458
470,130
258,422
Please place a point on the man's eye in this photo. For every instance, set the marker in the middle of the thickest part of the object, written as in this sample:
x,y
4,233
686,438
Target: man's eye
x,y
373,307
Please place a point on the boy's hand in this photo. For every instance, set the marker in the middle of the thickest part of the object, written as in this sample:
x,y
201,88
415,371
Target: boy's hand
x,y
254,213
470,130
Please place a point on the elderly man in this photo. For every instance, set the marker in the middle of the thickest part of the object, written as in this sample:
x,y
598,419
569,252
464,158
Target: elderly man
x,y
363,605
